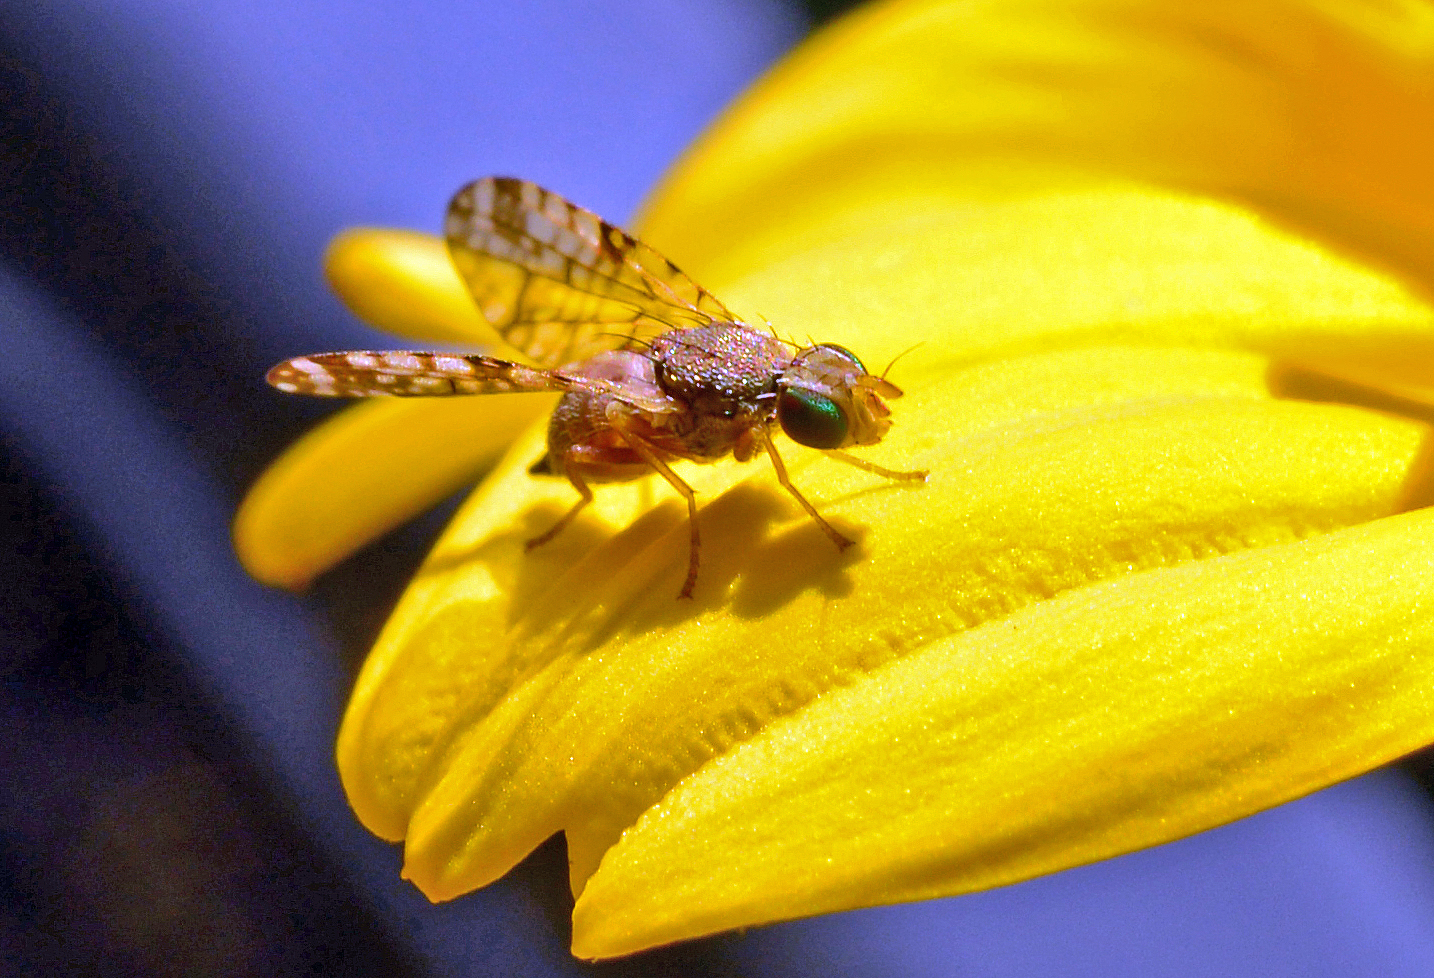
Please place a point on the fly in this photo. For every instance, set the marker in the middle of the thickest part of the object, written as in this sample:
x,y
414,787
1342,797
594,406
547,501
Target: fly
x,y
652,367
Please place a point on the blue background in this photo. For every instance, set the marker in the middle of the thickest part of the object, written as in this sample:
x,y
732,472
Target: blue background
x,y
170,175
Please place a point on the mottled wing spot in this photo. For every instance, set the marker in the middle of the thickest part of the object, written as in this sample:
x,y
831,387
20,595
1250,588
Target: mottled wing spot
x,y
453,365
405,373
539,266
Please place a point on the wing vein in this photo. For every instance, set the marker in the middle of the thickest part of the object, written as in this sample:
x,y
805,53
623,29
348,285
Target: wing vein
x,y
558,282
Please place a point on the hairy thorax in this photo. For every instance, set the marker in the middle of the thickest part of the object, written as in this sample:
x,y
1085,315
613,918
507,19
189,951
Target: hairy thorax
x,y
720,369
726,376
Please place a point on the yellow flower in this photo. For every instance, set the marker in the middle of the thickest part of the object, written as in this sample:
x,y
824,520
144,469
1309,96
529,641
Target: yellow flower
x,y
1145,591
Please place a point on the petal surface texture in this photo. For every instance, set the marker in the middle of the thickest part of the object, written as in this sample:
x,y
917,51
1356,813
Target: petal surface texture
x,y
1145,589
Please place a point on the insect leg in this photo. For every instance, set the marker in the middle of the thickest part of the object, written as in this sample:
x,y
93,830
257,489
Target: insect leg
x,y
556,528
687,493
861,463
841,542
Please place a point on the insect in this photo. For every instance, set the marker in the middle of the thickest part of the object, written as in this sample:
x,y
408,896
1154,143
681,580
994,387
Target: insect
x,y
652,367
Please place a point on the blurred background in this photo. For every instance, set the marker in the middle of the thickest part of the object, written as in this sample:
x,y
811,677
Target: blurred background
x,y
171,173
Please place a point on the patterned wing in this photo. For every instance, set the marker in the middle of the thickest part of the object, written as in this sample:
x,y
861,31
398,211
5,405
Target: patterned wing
x,y
406,373
403,373
559,282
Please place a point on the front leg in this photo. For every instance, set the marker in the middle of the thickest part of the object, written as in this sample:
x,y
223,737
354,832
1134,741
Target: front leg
x,y
766,438
917,476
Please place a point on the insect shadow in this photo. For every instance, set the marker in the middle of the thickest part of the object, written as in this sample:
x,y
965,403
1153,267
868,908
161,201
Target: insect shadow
x,y
786,565
754,571
590,584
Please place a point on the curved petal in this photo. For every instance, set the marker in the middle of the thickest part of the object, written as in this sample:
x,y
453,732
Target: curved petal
x,y
1320,114
596,691
404,283
1080,266
1108,719
365,471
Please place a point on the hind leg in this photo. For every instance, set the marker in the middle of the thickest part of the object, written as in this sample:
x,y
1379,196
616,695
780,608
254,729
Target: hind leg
x,y
586,496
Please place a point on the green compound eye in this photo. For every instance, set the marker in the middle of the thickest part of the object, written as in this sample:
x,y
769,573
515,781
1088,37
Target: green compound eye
x,y
811,419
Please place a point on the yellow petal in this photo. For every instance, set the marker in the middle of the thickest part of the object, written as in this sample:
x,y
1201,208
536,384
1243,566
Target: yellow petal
x,y
404,283
1318,114
1108,719
1106,236
1070,468
365,471
1079,266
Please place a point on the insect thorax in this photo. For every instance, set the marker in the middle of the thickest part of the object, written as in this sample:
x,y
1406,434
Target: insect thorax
x,y
726,369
